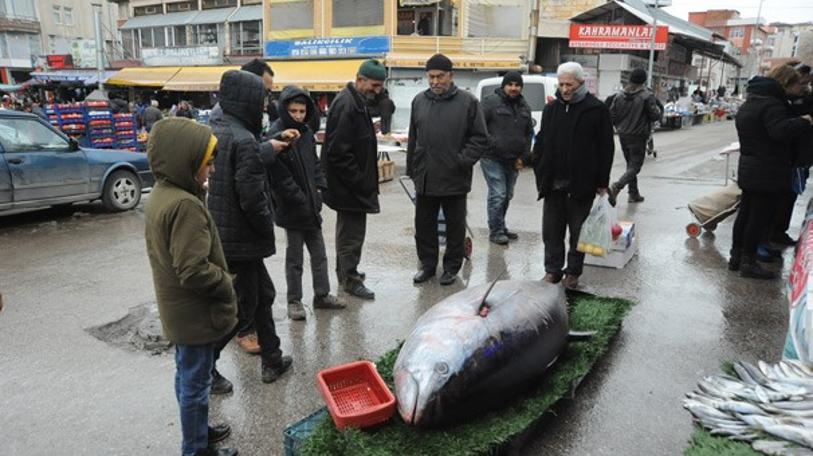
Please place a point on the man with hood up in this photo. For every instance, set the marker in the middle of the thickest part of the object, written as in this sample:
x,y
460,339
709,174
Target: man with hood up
x,y
573,156
633,111
240,202
196,300
510,127
297,185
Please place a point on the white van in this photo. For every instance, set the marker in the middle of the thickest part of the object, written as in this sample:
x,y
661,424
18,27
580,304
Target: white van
x,y
538,90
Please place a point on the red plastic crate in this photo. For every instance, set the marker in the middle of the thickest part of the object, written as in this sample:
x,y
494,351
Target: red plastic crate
x,y
356,396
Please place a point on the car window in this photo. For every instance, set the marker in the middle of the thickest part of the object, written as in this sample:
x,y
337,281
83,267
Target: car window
x,y
27,135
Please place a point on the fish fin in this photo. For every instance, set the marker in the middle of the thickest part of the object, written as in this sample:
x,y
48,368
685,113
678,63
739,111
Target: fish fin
x,y
577,336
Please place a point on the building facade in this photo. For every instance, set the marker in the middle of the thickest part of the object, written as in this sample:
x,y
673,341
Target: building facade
x,y
68,33
748,36
20,40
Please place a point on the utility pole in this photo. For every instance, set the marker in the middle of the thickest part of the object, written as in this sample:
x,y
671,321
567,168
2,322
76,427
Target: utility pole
x,y
97,26
652,46
756,55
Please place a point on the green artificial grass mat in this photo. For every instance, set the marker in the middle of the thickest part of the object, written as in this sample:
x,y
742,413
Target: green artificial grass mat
x,y
488,432
705,444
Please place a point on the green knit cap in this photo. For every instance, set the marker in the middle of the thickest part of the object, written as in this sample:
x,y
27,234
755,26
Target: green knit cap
x,y
373,69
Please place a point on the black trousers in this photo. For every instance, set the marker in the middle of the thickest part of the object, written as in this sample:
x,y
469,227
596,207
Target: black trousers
x,y
561,213
351,227
784,212
634,148
427,209
255,296
754,221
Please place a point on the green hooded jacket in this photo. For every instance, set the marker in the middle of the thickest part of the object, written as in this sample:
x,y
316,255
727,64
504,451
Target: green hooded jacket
x,y
196,300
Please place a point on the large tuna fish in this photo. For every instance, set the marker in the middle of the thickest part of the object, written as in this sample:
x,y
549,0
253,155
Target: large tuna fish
x,y
478,347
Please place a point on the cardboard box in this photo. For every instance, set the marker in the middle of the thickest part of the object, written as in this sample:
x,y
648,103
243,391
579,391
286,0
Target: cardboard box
x,y
625,239
615,259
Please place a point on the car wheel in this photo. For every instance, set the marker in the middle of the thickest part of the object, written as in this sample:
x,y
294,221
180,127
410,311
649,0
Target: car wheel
x,y
122,191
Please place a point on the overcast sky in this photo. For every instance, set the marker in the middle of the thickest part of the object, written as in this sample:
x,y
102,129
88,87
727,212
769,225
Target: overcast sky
x,y
791,11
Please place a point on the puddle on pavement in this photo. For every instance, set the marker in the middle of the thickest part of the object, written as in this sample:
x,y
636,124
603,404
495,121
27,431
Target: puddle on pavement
x,y
139,331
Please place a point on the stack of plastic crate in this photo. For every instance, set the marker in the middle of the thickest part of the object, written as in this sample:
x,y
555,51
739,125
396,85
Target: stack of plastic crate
x,y
71,119
99,120
53,117
125,131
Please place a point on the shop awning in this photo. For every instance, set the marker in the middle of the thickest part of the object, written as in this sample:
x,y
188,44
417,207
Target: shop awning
x,y
160,20
213,16
143,76
315,75
198,79
86,77
460,61
248,13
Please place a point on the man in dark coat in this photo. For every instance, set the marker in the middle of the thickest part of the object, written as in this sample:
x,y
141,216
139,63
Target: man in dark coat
x,y
240,203
297,185
633,111
447,135
350,162
510,127
386,108
574,153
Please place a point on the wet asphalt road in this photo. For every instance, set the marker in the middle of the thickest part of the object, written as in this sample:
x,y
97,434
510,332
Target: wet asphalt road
x,y
65,392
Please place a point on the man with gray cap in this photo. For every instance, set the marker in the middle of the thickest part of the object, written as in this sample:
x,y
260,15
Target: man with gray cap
x,y
633,111
573,155
510,127
447,135
350,162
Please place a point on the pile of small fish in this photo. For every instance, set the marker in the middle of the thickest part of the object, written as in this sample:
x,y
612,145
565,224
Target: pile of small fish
x,y
765,401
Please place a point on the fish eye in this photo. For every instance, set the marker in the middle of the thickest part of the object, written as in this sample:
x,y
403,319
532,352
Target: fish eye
x,y
442,368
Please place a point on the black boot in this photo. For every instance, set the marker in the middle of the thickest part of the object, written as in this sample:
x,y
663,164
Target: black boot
x,y
750,269
735,260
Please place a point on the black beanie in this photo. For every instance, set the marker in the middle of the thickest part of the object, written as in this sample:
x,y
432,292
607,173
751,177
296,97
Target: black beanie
x,y
638,76
439,62
512,76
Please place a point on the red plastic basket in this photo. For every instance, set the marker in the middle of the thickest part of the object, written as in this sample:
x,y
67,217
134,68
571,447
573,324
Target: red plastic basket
x,y
356,396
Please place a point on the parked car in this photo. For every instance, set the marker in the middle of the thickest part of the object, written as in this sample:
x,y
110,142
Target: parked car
x,y
40,166
538,91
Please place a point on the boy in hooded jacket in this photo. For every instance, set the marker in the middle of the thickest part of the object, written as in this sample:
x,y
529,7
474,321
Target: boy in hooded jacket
x,y
196,300
297,184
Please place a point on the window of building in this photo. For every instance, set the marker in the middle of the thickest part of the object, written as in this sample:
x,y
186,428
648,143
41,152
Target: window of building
x,y
245,38
146,38
179,35
291,15
159,38
496,21
148,10
437,20
737,32
18,9
358,13
209,4
181,6
67,15
131,41
57,14
251,2
207,34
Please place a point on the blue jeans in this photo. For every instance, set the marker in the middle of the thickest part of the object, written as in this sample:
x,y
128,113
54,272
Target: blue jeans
x,y
193,379
501,176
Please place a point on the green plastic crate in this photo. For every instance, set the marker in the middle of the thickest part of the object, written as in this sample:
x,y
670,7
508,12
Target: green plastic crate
x,y
297,433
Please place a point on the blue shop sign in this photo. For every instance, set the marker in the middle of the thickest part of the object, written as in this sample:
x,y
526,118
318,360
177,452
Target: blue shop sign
x,y
327,48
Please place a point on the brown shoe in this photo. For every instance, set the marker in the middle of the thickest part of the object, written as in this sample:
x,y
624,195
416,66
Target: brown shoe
x,y
249,343
552,278
571,282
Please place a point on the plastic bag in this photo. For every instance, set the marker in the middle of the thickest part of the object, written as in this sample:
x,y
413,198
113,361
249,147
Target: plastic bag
x,y
595,237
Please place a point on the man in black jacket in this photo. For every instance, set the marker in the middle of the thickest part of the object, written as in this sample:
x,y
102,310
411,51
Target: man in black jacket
x,y
447,135
297,183
633,111
240,203
574,153
350,162
510,127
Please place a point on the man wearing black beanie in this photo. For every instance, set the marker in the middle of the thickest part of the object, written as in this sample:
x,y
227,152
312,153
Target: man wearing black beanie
x,y
510,126
633,111
447,135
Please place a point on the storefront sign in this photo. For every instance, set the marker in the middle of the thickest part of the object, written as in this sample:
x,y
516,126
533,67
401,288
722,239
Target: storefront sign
x,y
83,53
173,56
607,36
59,61
328,48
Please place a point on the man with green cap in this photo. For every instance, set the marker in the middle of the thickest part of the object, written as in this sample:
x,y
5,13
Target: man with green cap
x,y
350,162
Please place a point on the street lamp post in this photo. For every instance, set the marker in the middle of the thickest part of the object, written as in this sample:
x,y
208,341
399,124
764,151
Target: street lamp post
x,y
97,26
652,45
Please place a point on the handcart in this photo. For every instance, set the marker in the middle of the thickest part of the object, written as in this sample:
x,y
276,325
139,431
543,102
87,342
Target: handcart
x,y
713,208
468,244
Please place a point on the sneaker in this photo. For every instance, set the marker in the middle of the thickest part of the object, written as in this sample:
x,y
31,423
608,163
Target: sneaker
x,y
270,373
768,255
249,343
499,239
328,301
357,289
635,198
571,282
218,433
447,278
612,194
296,311
511,235
220,384
750,269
